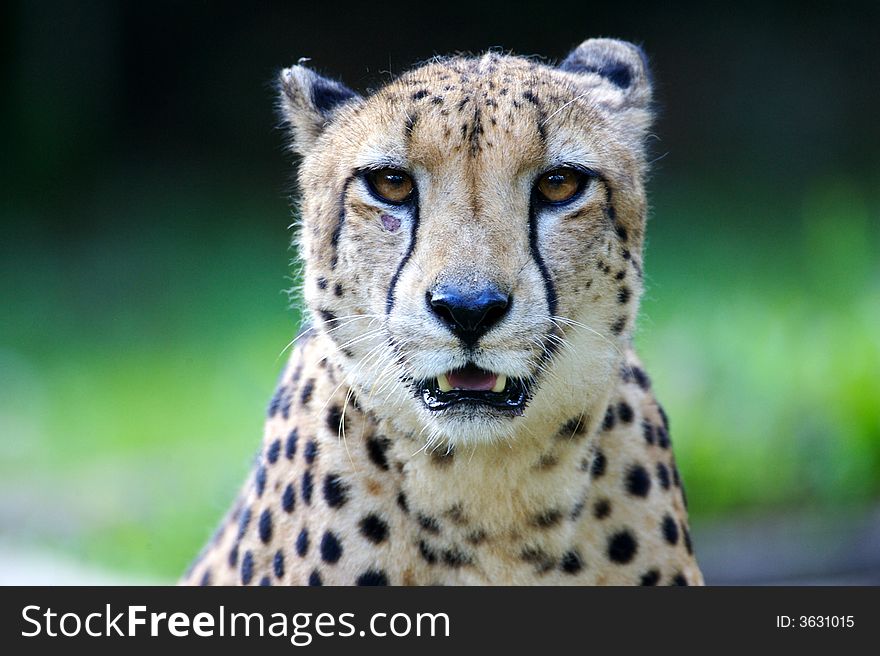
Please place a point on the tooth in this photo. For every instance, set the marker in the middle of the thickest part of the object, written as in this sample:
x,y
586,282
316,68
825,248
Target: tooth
x,y
500,383
443,383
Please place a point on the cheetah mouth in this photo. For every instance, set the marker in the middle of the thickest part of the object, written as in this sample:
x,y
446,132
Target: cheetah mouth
x,y
473,386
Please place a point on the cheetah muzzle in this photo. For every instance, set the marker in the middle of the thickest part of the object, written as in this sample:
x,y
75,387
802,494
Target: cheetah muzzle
x,y
464,404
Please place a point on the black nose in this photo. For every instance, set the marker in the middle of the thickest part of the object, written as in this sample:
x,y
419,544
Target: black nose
x,y
468,313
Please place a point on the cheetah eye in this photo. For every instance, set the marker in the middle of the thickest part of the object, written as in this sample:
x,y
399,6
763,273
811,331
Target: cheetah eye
x,y
560,185
391,185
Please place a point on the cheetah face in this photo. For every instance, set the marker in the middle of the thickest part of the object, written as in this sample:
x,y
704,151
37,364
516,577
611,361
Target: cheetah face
x,y
472,233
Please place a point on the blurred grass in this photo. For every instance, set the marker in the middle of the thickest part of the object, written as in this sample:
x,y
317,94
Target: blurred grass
x,y
135,364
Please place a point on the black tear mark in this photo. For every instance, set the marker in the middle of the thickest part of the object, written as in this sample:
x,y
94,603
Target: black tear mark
x,y
389,300
549,286
337,231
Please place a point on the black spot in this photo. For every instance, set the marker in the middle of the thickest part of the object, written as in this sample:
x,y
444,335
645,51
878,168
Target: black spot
x,y
679,579
573,427
675,477
275,402
307,486
315,578
625,412
663,417
401,501
442,457
572,563
476,537
619,229
609,420
265,526
306,393
260,480
663,437
337,290
247,568
638,481
623,295
376,448
327,316
641,378
273,451
206,578
278,564
663,475
528,95
670,530
430,524
373,528
335,491
542,561
456,514
334,420
601,509
622,547
243,520
421,93
409,125
331,548
620,275
265,582
322,283
651,577
290,444
233,556
618,326
648,431
687,540
599,465
428,554
577,510
288,498
454,558
373,577
302,543
311,451
547,519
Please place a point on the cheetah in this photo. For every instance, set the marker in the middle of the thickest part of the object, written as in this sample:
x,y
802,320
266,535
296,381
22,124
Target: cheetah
x,y
464,405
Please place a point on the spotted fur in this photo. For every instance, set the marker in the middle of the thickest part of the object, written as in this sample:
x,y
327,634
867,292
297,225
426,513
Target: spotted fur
x,y
357,482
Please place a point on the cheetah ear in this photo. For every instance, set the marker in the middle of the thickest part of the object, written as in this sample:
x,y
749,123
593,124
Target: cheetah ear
x,y
616,70
308,102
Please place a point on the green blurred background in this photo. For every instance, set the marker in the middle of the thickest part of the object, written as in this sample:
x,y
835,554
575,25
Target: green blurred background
x,y
144,254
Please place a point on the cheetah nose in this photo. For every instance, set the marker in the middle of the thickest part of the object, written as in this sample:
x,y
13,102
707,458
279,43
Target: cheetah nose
x,y
468,313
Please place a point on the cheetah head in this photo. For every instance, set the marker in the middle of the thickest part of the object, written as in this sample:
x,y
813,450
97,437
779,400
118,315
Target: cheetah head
x,y
472,233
